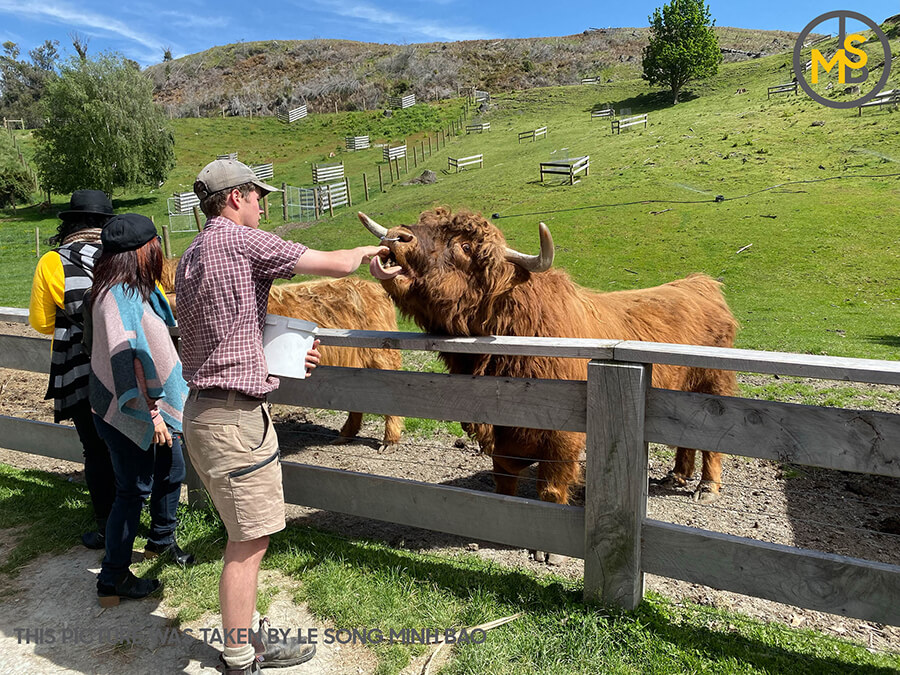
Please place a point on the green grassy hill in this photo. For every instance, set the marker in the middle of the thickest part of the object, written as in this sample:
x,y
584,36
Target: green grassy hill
x,y
818,272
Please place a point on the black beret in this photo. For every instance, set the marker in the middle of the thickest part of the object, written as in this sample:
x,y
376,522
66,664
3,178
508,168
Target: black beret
x,y
127,232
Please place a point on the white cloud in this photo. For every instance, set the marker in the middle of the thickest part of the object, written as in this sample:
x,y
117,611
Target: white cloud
x,y
57,12
433,30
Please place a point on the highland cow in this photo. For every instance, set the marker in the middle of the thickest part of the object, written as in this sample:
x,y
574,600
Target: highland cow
x,y
349,303
459,278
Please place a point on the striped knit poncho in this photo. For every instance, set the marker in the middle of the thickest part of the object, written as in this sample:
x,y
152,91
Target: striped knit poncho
x,y
125,328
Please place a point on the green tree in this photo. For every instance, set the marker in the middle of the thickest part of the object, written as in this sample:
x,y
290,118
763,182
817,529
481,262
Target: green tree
x,y
16,185
104,130
23,81
682,45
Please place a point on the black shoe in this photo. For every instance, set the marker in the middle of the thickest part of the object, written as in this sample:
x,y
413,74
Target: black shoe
x,y
94,540
183,558
280,654
128,587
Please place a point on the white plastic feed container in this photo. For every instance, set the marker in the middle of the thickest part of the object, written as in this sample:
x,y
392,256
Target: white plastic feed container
x,y
286,341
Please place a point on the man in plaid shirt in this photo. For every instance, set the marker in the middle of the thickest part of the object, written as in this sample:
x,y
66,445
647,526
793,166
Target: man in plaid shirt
x,y
222,284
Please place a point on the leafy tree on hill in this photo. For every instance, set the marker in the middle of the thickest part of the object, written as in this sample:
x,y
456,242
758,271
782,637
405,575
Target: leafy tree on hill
x,y
15,182
23,81
682,45
105,131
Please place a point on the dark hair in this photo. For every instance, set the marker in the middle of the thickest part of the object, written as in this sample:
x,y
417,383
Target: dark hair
x,y
212,206
69,226
139,270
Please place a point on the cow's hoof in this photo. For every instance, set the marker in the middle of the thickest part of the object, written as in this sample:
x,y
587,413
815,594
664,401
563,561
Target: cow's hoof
x,y
539,556
673,480
342,440
388,448
705,495
555,559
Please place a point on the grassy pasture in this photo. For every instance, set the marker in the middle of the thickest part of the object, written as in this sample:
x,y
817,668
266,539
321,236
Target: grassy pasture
x,y
821,275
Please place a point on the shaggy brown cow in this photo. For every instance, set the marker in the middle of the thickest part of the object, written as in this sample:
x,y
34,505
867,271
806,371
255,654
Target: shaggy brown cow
x,y
459,278
350,303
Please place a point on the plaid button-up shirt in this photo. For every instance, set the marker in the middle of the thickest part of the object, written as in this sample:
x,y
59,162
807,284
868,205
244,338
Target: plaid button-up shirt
x,y
222,286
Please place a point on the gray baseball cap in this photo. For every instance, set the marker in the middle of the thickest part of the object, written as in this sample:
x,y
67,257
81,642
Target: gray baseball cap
x,y
222,174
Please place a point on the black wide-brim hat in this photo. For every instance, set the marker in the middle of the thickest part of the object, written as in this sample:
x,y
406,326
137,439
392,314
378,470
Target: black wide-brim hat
x,y
87,202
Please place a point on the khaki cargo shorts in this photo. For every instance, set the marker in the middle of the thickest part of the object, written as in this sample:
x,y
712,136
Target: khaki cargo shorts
x,y
234,449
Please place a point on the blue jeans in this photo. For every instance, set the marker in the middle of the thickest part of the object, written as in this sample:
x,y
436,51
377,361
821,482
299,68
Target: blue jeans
x,y
156,472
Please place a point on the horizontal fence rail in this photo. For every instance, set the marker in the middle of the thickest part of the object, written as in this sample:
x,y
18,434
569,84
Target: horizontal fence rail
x,y
620,414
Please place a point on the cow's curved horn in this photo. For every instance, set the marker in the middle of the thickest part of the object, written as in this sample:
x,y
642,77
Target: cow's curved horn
x,y
535,263
372,226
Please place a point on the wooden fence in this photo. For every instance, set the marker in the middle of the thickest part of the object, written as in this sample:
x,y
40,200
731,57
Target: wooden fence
x,y
790,87
623,122
263,171
357,142
534,134
389,154
291,116
606,112
183,202
567,167
479,127
230,155
620,413
462,162
402,101
324,173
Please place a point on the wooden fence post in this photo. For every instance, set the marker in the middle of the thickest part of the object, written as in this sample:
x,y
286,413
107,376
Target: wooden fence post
x,y
415,158
167,244
380,179
284,201
615,501
266,207
391,169
429,146
397,167
347,186
330,201
366,185
37,243
197,219
405,163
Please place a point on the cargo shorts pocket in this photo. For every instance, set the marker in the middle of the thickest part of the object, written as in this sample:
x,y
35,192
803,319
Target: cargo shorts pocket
x,y
256,488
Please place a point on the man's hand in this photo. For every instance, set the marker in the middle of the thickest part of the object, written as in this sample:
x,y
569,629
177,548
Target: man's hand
x,y
377,268
312,358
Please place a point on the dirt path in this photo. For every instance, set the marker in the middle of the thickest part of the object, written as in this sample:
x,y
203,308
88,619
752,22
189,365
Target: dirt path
x,y
56,594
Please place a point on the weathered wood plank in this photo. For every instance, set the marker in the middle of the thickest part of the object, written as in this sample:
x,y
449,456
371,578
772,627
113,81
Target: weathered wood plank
x,y
821,581
833,438
514,345
25,353
780,363
616,483
40,438
538,404
514,521
13,314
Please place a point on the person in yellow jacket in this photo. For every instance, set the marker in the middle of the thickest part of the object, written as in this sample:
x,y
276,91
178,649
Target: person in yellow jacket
x,y
61,279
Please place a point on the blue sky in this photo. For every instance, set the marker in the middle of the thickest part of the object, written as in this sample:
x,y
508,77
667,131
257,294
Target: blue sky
x,y
142,29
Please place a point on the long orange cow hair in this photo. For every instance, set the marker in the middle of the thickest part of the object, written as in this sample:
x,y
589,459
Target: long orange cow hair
x,y
460,278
